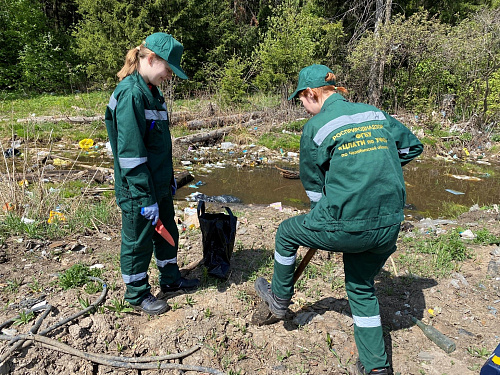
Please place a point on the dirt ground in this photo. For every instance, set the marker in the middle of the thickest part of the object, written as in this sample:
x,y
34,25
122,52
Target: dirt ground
x,y
316,338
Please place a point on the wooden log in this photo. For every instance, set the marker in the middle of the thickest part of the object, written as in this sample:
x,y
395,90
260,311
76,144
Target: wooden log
x,y
214,134
70,119
183,178
222,120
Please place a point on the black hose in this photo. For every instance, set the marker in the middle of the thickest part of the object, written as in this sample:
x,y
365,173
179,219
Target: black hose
x,y
144,363
139,363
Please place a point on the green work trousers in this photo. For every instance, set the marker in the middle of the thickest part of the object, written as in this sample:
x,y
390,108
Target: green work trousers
x,y
364,254
140,241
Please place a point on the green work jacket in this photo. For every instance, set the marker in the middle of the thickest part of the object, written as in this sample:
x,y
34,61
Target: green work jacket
x,y
137,123
351,158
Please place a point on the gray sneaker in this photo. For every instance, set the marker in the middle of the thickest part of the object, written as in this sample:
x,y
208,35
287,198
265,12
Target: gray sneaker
x,y
152,306
277,306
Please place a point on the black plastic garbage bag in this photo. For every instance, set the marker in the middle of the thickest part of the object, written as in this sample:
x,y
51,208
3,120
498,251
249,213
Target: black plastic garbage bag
x,y
218,232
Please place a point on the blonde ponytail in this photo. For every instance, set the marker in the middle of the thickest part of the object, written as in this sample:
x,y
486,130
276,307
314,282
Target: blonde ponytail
x,y
132,61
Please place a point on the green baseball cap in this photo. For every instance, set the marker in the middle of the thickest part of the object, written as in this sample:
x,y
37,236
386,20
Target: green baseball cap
x,y
312,76
169,49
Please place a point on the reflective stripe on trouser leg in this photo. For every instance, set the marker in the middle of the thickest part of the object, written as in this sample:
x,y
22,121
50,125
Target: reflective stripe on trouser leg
x,y
360,270
165,254
136,251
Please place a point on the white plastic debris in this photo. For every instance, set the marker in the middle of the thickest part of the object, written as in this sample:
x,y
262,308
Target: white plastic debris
x,y
468,235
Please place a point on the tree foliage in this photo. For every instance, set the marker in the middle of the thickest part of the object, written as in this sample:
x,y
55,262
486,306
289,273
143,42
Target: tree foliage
x,y
292,41
426,51
427,59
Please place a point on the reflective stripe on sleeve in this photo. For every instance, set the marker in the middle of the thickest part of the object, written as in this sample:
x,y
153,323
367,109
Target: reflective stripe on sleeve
x,y
153,114
131,278
357,118
286,261
112,102
314,196
404,151
163,263
367,321
129,163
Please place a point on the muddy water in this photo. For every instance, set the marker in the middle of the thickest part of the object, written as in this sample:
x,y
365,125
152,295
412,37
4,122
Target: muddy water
x,y
427,184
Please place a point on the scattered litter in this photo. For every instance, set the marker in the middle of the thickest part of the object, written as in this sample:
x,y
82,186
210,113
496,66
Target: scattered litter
x,y
8,207
55,216
292,154
463,177
60,162
226,145
276,205
454,192
185,162
98,265
191,218
11,152
197,185
430,223
27,221
467,234
86,143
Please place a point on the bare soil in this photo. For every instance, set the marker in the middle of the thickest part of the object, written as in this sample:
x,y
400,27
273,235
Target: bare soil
x,y
218,315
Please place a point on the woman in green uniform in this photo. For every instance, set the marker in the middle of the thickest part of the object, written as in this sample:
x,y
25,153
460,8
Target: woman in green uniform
x,y
351,158
138,128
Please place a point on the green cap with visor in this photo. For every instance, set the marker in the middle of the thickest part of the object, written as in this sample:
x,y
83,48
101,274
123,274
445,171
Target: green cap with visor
x,y
169,49
312,76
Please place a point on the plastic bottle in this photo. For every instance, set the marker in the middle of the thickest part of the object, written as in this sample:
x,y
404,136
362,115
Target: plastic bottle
x,y
434,335
492,365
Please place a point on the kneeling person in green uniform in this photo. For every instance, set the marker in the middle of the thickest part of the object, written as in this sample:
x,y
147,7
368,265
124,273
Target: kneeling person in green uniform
x,y
138,127
351,158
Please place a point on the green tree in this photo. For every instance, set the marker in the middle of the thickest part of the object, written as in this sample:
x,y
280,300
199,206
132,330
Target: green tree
x,y
21,21
233,85
473,55
415,74
448,11
33,55
292,41
108,29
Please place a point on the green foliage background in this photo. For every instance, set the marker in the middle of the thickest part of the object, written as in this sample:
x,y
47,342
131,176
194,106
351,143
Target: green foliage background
x,y
430,49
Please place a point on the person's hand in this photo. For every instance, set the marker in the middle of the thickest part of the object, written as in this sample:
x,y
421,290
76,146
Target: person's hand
x,y
151,213
174,187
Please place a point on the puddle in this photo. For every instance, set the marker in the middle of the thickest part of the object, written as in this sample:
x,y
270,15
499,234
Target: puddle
x,y
427,184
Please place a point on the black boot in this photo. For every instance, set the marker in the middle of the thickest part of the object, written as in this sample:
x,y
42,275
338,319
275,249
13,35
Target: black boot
x,y
152,306
278,306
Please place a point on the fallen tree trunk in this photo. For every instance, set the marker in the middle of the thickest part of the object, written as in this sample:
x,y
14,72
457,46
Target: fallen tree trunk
x,y
222,121
71,119
214,134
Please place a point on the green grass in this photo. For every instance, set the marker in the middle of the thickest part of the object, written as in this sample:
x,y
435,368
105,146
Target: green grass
x,y
295,126
17,105
452,210
77,276
277,141
434,256
485,237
